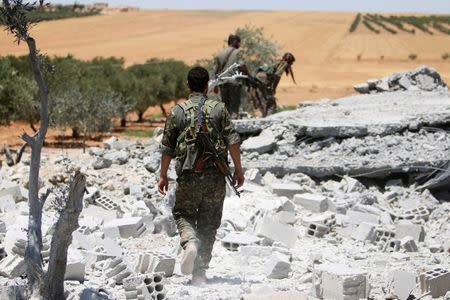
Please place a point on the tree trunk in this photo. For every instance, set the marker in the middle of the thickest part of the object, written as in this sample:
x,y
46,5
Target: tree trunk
x,y
53,288
32,127
163,110
34,247
123,121
75,132
84,139
140,117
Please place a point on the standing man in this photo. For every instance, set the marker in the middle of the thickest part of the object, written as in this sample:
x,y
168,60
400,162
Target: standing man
x,y
200,188
231,92
268,77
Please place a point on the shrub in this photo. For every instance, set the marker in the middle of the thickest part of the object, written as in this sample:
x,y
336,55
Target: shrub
x,y
355,23
412,56
445,56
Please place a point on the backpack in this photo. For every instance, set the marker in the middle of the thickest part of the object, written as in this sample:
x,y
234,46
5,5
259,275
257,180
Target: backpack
x,y
187,150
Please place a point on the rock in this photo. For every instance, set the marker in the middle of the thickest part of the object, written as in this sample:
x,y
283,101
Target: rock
x,y
102,163
117,157
151,163
263,143
278,266
362,88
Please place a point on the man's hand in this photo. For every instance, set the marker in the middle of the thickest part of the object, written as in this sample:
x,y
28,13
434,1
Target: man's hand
x,y
163,185
238,179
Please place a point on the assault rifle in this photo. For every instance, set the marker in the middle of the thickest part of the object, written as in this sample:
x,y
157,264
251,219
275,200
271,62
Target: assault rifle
x,y
210,152
231,74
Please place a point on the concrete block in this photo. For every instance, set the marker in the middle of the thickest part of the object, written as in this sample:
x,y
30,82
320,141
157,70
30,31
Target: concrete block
x,y
408,244
124,228
327,219
148,286
254,176
407,228
317,230
155,262
383,234
276,231
286,189
287,205
278,266
357,217
436,281
364,232
12,266
312,202
263,143
7,203
335,281
106,203
416,215
16,191
117,270
255,251
233,240
391,245
286,217
403,283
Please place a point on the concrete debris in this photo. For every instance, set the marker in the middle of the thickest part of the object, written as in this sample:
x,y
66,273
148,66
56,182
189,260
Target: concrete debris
x,y
360,182
422,78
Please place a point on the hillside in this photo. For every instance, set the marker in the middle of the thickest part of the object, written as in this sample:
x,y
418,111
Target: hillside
x,y
326,52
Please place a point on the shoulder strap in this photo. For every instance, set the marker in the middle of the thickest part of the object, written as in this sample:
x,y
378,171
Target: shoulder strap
x,y
225,61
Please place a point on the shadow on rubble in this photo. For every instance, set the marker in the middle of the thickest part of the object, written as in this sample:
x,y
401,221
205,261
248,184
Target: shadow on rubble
x,y
222,280
91,294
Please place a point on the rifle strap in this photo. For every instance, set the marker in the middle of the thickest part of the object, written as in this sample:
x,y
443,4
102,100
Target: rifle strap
x,y
225,61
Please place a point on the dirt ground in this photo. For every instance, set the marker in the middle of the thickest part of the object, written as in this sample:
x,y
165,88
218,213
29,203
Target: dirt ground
x,y
327,54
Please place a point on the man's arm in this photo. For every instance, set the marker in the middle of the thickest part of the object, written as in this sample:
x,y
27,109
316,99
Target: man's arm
x,y
163,184
238,177
168,145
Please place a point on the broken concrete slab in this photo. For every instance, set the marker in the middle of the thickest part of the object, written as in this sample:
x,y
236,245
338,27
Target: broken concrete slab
x,y
263,143
278,266
312,202
276,231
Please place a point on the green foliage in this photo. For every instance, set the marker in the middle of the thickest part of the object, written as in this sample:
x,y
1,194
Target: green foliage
x,y
412,56
255,47
139,133
370,27
286,108
423,23
355,23
57,12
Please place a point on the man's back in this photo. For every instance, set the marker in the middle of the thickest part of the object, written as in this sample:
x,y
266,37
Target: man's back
x,y
226,58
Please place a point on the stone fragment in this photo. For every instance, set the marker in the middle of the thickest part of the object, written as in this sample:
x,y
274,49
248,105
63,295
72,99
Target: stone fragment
x,y
286,217
17,192
317,230
407,228
364,232
117,157
253,175
403,283
312,202
124,228
286,189
408,243
155,262
335,281
276,231
362,88
12,266
263,143
278,266
233,240
102,163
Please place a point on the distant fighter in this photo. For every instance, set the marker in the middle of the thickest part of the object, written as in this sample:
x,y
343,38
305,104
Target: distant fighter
x,y
231,92
266,82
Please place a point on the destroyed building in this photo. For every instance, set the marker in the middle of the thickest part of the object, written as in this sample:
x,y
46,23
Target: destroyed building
x,y
344,199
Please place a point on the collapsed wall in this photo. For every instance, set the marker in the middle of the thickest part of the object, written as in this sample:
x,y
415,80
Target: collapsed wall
x,y
372,136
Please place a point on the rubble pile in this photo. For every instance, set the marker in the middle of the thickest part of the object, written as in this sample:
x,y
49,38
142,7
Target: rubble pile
x,y
336,205
422,78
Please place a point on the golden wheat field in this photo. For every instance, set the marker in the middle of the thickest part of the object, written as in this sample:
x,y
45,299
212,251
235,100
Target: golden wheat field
x,y
326,66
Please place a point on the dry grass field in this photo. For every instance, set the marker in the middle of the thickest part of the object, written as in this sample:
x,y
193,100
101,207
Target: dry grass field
x,y
326,67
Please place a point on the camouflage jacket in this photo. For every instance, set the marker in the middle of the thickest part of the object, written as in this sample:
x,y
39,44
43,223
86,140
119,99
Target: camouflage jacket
x,y
172,131
270,75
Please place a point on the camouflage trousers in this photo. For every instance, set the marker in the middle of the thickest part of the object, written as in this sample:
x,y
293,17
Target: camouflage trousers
x,y
198,212
231,96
